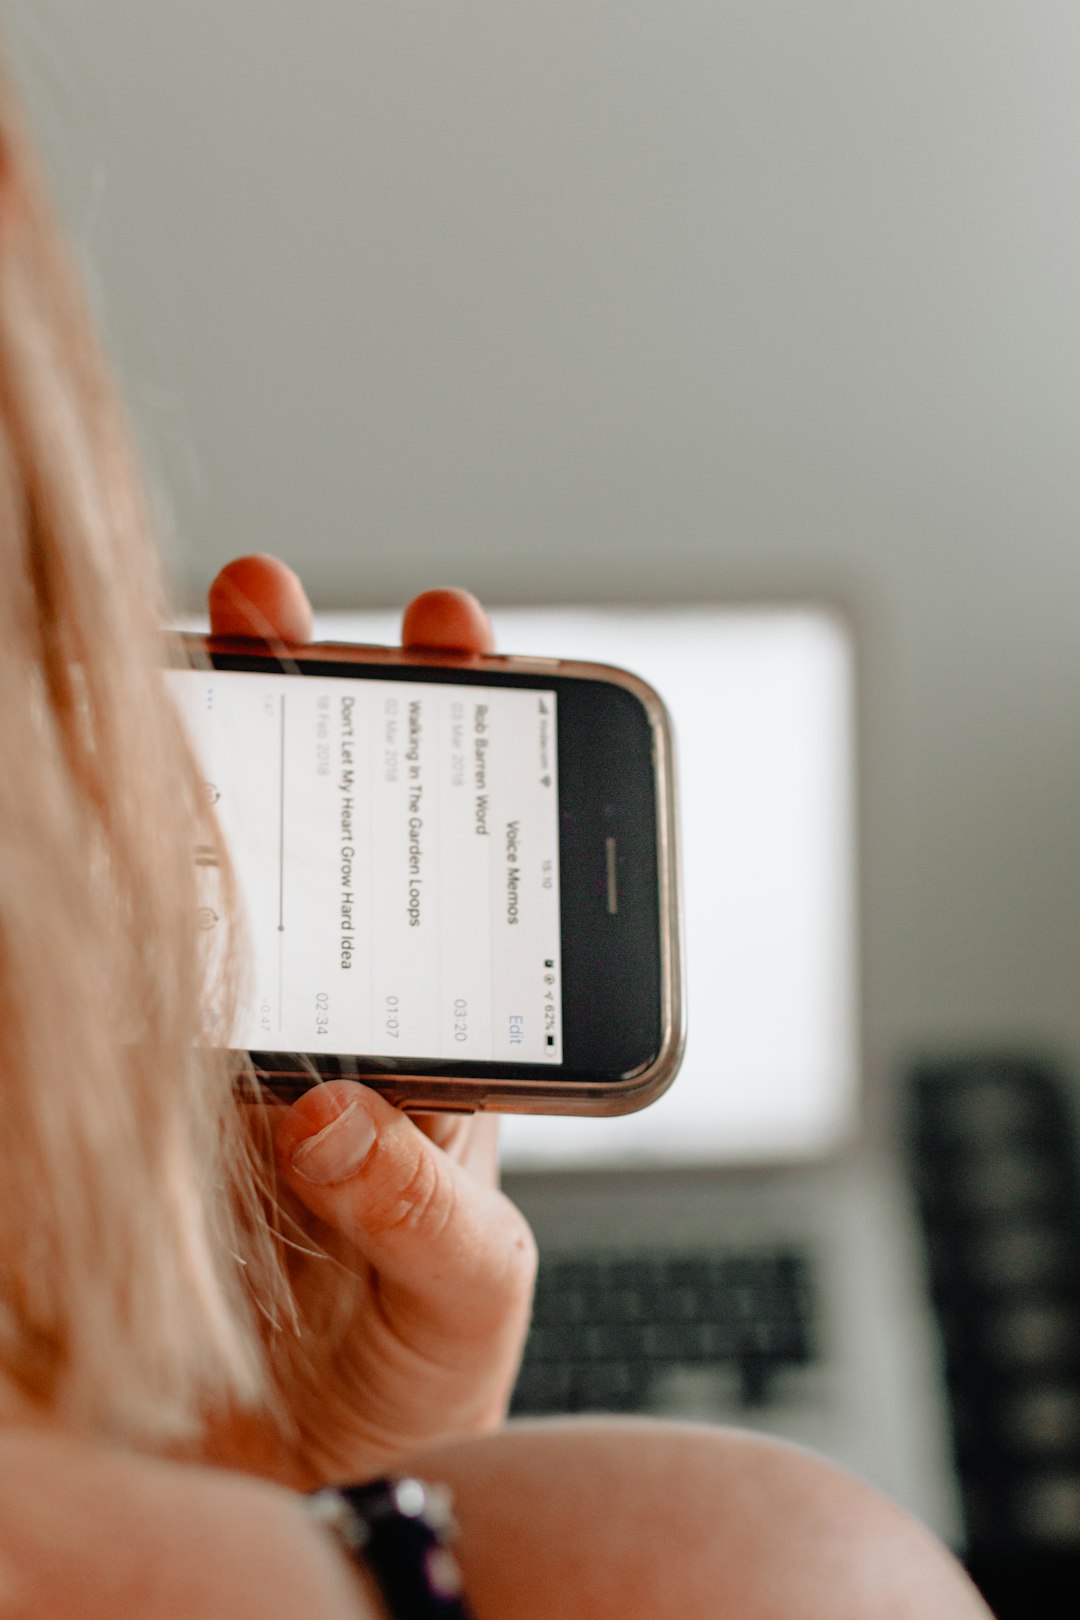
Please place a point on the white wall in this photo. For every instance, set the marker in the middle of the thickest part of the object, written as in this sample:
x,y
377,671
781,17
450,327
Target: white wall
x,y
693,297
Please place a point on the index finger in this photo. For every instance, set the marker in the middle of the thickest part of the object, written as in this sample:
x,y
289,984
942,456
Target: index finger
x,y
260,597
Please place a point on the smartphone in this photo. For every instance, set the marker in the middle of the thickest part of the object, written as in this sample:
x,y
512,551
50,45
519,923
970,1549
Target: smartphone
x,y
459,872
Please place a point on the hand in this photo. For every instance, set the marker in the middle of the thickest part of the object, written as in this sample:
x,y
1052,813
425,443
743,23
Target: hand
x,y
428,1343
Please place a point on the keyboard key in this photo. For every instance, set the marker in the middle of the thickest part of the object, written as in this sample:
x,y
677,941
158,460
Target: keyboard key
x,y
1047,1509
543,1387
611,1386
614,1340
1044,1419
988,1109
668,1303
1022,1256
1004,1182
678,1341
1036,1333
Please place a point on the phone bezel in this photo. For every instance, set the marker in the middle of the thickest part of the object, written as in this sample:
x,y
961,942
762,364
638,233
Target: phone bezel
x,y
432,1088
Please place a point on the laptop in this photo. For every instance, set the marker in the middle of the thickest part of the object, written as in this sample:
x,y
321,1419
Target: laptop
x,y
757,1161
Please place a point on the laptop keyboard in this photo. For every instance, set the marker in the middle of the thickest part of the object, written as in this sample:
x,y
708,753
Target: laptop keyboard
x,y
605,1327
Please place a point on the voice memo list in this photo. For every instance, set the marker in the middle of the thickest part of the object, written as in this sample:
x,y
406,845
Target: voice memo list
x,y
396,844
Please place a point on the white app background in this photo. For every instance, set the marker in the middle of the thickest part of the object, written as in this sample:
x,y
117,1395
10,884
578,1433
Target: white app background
x,y
396,845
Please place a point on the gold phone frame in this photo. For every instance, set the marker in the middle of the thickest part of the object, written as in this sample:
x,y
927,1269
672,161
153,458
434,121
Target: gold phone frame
x,y
433,1093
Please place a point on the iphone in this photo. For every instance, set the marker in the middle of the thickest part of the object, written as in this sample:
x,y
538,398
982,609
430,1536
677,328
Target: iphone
x,y
459,873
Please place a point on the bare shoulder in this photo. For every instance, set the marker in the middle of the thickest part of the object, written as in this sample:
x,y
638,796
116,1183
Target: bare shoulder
x,y
88,1533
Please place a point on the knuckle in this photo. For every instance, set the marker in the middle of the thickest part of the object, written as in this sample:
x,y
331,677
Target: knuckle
x,y
487,1239
425,1204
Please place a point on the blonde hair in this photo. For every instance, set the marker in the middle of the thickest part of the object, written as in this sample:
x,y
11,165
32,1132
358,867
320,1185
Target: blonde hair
x,y
134,1257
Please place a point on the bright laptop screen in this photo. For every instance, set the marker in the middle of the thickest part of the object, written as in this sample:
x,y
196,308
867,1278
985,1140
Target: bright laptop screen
x,y
762,701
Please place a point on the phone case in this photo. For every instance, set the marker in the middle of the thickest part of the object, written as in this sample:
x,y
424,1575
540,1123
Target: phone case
x,y
427,1093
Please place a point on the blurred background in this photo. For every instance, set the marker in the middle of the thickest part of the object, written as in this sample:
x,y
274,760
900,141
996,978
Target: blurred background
x,y
576,301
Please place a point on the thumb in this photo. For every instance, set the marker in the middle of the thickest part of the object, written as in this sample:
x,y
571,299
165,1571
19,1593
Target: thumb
x,y
450,1245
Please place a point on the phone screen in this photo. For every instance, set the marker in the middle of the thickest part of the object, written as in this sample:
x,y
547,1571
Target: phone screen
x,y
396,844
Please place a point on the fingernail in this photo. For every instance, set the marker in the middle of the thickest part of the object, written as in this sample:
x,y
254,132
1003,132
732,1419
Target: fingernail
x,y
337,1151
